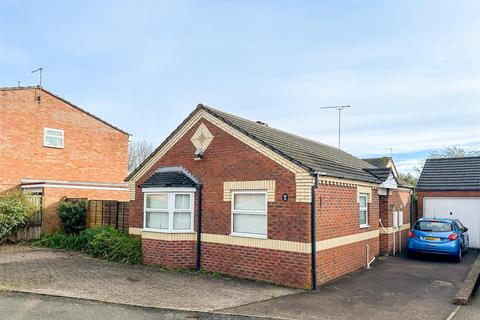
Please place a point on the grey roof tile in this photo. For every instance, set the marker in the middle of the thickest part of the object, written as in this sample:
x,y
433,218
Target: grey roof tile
x,y
310,154
450,174
169,179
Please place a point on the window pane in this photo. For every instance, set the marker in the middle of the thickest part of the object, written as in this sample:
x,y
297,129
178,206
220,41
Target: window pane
x,y
250,223
181,220
363,201
182,201
363,217
54,133
252,201
157,201
157,220
52,141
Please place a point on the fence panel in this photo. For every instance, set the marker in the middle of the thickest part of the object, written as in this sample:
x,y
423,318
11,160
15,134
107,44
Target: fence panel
x,y
33,230
107,213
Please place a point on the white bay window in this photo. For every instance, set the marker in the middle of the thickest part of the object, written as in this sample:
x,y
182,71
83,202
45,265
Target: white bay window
x,y
168,211
249,213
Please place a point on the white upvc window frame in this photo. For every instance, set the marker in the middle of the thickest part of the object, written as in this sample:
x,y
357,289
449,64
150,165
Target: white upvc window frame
x,y
360,209
233,210
170,192
45,135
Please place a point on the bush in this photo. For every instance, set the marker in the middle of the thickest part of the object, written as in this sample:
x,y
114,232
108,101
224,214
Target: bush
x,y
73,215
113,245
15,212
101,242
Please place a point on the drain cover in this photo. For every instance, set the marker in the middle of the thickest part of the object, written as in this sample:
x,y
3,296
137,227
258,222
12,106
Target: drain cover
x,y
441,283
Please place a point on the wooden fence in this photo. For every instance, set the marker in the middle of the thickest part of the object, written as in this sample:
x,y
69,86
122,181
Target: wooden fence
x,y
33,230
106,213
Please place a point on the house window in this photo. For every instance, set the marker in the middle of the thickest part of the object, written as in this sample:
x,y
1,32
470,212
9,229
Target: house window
x,y
249,213
363,204
52,138
169,212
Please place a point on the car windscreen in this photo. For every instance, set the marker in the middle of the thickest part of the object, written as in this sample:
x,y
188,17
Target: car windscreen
x,y
433,226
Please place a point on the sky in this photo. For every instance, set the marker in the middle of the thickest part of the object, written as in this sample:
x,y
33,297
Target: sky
x,y
410,70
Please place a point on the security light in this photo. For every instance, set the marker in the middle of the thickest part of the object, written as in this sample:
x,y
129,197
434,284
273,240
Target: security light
x,y
198,155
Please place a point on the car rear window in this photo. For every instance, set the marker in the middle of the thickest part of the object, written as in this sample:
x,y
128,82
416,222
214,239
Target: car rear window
x,y
433,226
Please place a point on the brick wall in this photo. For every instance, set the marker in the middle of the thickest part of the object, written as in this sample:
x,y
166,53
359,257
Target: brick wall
x,y
275,266
336,262
93,151
424,194
338,211
402,202
338,215
171,254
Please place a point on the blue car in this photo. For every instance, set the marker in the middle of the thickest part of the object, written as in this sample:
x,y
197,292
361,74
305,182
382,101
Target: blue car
x,y
438,236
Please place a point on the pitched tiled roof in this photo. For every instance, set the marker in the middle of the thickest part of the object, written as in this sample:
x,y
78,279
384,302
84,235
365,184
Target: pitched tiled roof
x,y
169,179
378,162
313,155
450,174
381,173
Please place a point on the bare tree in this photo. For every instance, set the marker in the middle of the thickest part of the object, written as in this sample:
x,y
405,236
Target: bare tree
x,y
137,152
447,152
454,152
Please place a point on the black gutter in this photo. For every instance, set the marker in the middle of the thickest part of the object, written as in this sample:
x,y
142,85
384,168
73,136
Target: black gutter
x,y
313,236
199,228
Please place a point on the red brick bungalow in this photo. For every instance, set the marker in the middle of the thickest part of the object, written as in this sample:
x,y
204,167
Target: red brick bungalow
x,y
238,197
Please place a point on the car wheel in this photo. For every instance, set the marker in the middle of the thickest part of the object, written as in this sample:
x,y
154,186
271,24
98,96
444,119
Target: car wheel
x,y
458,258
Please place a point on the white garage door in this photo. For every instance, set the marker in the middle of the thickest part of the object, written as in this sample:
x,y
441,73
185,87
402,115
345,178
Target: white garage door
x,y
467,210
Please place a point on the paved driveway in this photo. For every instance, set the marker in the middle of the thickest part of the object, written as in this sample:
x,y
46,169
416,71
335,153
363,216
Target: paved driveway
x,y
70,274
396,288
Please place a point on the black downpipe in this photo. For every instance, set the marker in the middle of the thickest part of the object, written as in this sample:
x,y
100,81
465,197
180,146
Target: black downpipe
x,y
313,237
199,228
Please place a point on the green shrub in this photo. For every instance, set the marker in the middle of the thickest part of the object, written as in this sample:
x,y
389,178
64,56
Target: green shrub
x,y
73,215
113,245
101,242
15,211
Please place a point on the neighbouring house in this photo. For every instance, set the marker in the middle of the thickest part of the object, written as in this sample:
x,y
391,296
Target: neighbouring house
x,y
238,197
51,147
450,188
395,206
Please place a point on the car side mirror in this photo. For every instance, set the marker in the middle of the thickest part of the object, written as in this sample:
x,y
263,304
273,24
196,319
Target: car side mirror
x,y
465,229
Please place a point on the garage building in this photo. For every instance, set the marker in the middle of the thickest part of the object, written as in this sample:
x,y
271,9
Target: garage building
x,y
450,188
